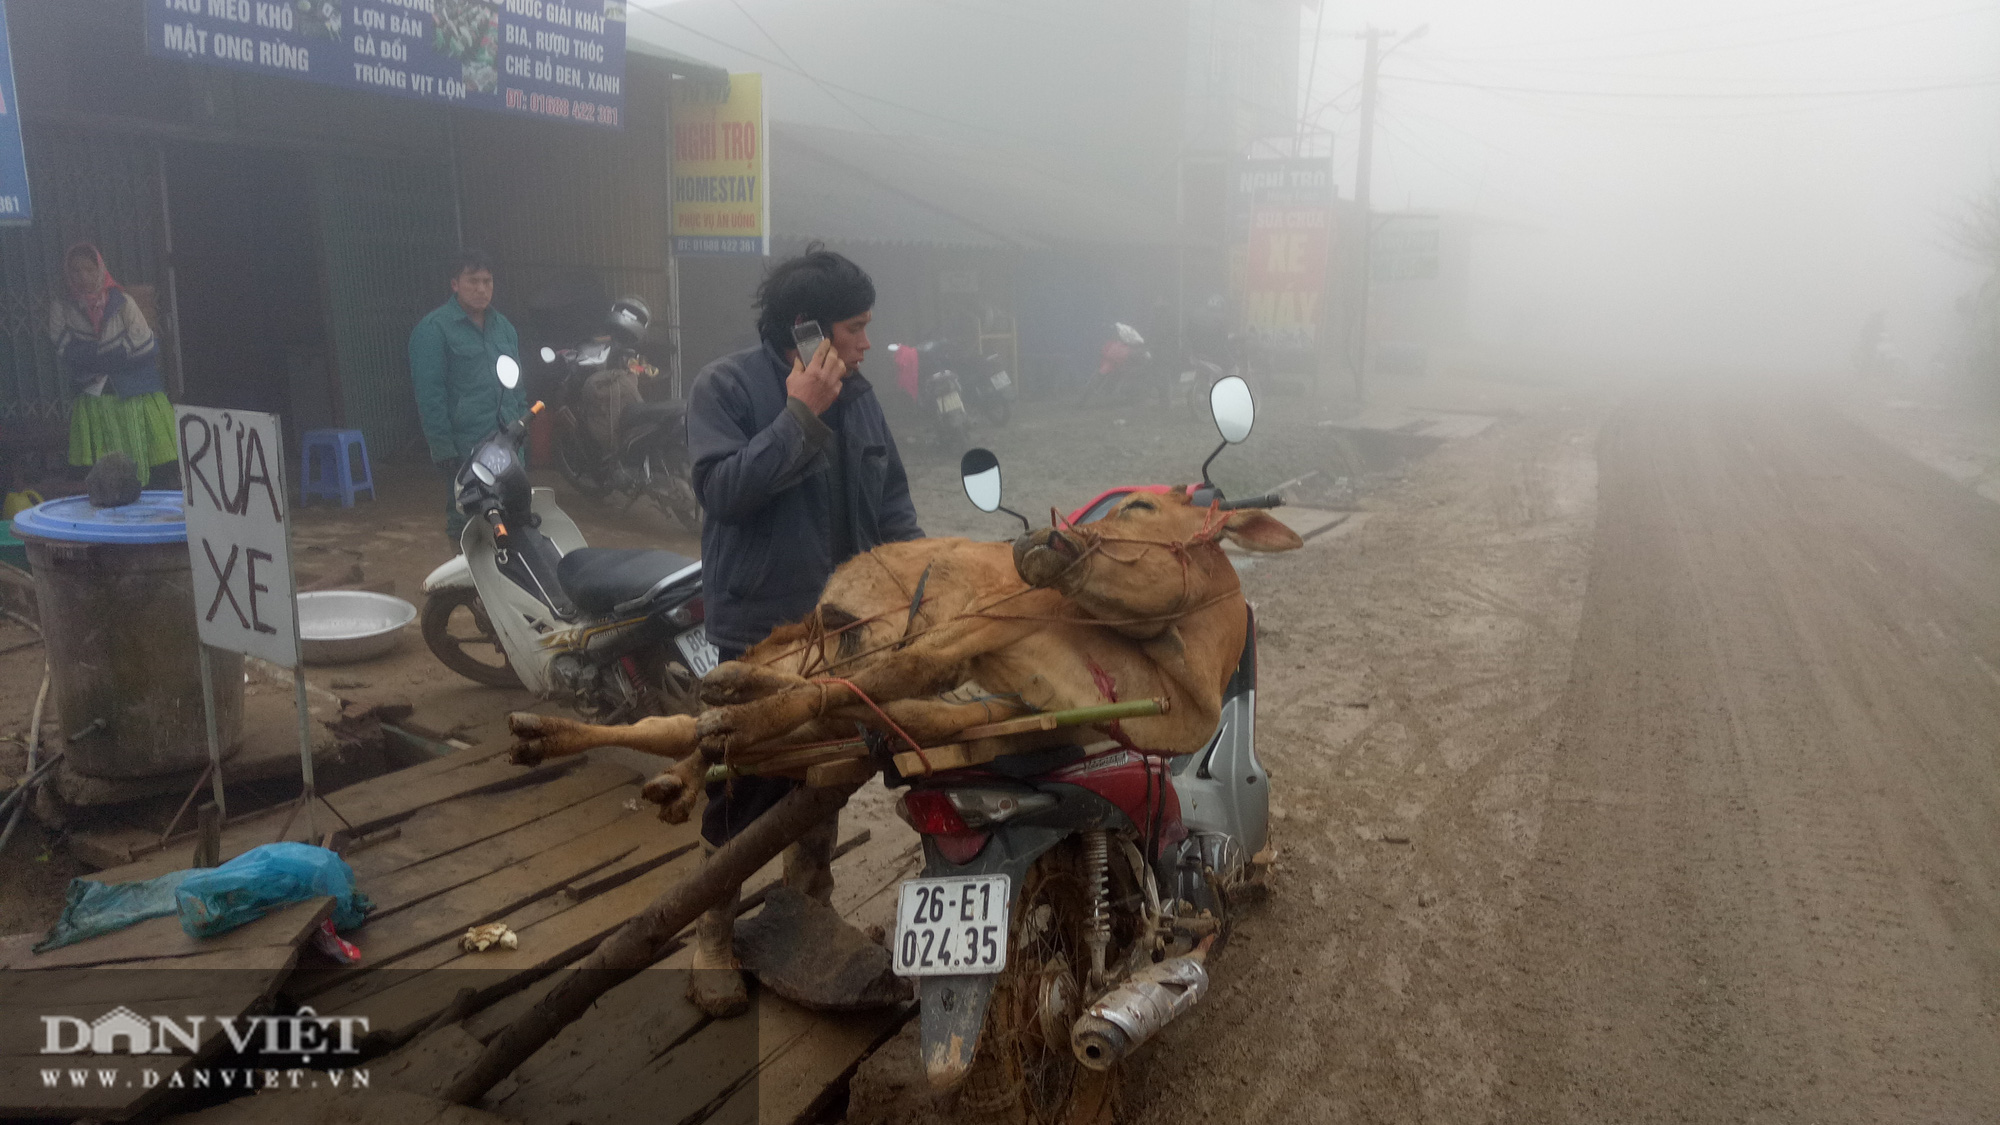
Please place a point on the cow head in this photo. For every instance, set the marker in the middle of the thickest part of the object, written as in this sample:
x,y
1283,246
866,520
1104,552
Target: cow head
x,y
1151,557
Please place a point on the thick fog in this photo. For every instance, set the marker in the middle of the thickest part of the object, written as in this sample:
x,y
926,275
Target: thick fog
x,y
1713,183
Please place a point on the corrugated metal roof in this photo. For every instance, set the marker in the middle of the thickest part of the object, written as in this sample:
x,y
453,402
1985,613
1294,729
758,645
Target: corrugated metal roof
x,y
687,66
870,187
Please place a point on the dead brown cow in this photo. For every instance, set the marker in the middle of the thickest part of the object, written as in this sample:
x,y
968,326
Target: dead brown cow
x,y
1140,604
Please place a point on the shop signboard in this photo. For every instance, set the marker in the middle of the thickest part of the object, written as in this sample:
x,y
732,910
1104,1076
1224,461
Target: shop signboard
x,y
15,209
1405,248
561,59
1284,210
722,200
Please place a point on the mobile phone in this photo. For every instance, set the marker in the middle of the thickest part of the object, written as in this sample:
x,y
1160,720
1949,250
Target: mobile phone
x,y
807,336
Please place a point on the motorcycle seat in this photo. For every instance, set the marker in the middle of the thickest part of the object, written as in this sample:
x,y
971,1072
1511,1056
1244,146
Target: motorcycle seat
x,y
597,579
641,415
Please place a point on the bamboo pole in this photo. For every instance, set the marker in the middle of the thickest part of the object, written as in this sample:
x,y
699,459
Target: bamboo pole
x,y
638,943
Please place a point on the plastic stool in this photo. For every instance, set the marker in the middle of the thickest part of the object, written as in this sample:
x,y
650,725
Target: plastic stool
x,y
332,475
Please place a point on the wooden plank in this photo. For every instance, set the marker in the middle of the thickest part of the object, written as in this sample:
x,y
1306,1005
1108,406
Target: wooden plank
x,y
460,822
799,1075
852,771
594,1070
108,985
374,803
981,744
626,1029
446,916
562,825
118,847
245,986
157,939
544,947
849,889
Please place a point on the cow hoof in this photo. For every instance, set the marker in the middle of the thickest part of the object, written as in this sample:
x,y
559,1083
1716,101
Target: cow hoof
x,y
663,788
674,793
542,736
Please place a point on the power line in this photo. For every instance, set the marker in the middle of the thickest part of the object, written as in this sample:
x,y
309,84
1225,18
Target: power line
x,y
1830,33
1759,17
1992,80
830,92
1684,116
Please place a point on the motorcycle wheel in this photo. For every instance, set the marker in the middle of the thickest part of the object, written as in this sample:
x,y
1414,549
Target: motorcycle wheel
x,y
446,634
678,690
571,462
674,496
998,412
1025,1071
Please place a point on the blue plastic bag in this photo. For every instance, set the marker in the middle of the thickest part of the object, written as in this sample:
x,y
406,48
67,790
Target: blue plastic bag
x,y
93,908
219,899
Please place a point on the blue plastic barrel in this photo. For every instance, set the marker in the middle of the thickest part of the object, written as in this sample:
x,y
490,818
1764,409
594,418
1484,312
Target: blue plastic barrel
x,y
116,599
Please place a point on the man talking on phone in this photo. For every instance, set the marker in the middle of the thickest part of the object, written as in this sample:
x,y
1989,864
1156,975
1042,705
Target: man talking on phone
x,y
797,473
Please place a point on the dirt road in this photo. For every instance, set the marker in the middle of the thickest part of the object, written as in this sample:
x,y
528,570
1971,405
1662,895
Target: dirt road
x,y
1672,799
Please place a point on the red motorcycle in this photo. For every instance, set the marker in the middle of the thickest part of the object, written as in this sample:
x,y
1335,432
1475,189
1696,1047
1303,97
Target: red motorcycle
x,y
1070,899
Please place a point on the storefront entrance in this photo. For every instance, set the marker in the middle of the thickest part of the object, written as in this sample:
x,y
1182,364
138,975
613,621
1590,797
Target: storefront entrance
x,y
248,278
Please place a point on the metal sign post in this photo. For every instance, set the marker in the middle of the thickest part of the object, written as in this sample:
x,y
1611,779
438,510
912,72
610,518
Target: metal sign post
x,y
239,535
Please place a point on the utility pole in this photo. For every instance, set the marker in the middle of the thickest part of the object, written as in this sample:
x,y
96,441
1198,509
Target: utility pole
x,y
1364,168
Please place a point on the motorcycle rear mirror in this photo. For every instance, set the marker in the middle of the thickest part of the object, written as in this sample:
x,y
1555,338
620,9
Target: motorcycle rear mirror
x,y
509,371
980,471
1229,400
548,355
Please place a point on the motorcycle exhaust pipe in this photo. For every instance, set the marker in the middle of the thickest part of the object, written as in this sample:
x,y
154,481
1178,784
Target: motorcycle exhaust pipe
x,y
1127,1016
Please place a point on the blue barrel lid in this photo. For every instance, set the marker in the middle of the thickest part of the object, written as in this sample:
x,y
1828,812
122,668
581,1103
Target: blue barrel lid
x,y
156,517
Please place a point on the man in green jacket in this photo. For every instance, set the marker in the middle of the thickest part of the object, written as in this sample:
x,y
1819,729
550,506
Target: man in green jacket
x,y
459,396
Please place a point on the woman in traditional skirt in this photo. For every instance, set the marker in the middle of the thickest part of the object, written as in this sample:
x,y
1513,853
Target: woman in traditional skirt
x,y
113,361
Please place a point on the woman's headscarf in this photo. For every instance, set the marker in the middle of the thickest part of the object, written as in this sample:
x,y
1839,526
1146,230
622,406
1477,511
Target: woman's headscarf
x,y
92,301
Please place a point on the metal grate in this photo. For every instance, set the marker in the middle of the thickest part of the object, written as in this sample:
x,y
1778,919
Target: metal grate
x,y
96,188
388,229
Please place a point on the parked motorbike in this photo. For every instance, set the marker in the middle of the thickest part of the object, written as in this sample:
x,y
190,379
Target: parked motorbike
x,y
639,453
985,383
1193,376
941,397
616,634
1071,897
1126,371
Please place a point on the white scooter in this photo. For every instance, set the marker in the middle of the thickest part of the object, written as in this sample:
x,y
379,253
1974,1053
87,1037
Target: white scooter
x,y
616,634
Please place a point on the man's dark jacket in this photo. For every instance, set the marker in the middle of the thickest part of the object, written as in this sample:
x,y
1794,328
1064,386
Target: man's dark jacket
x,y
786,496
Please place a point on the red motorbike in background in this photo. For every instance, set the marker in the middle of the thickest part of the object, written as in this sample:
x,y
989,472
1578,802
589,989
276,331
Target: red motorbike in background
x,y
1125,368
1071,896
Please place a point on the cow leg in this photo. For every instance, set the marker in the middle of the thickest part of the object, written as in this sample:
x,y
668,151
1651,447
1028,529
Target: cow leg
x,y
933,664
676,790
739,681
550,736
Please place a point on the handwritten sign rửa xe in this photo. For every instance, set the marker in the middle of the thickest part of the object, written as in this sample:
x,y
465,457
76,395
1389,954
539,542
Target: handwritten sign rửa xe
x,y
233,486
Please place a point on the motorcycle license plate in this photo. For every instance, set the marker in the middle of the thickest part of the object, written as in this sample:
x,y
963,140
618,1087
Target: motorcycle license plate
x,y
953,926
950,403
1001,380
701,656
1187,376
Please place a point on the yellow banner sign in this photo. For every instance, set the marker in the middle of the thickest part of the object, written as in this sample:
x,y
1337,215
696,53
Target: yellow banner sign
x,y
722,204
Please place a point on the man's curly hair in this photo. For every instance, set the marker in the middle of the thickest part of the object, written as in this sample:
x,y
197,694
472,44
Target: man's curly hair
x,y
817,285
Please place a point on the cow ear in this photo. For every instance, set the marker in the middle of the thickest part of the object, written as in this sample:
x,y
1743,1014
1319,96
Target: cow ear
x,y
1257,530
